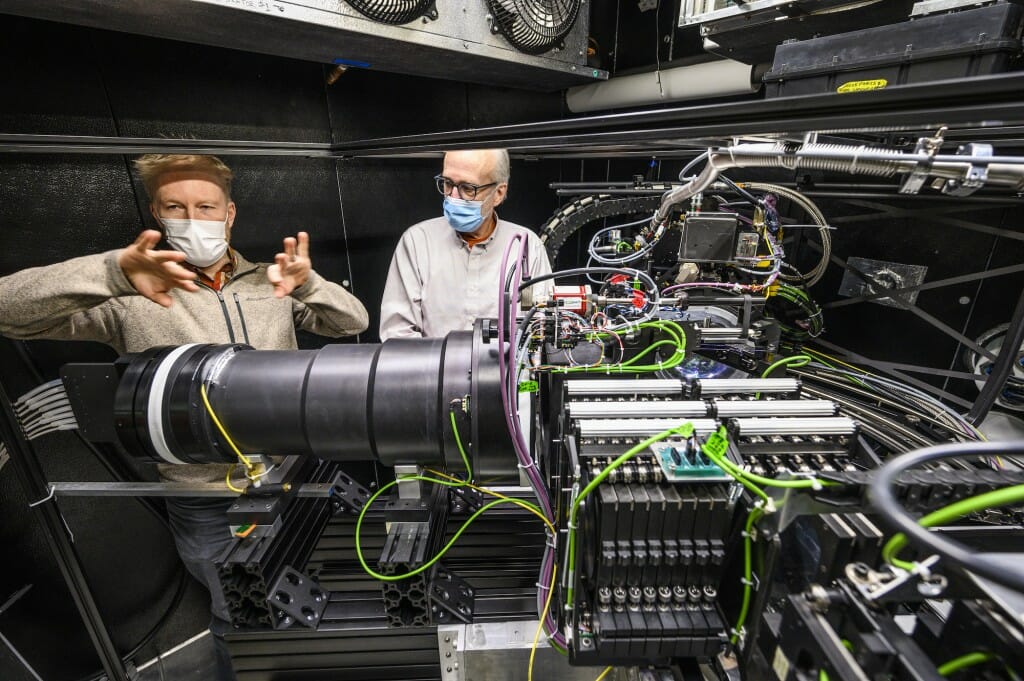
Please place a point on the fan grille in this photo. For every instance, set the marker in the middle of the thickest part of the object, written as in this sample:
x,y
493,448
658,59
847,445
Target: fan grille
x,y
534,26
392,11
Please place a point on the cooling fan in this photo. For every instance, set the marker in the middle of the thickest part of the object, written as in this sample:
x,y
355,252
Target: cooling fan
x,y
533,26
394,11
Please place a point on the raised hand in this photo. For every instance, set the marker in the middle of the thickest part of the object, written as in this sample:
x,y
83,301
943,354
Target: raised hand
x,y
153,273
291,268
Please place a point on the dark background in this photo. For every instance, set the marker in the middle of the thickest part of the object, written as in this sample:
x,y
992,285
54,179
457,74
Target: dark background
x,y
66,80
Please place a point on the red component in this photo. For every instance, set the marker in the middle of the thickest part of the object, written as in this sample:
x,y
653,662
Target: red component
x,y
639,299
619,279
572,298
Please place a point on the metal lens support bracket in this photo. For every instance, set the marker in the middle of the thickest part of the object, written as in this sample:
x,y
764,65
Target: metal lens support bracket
x,y
977,174
925,145
297,598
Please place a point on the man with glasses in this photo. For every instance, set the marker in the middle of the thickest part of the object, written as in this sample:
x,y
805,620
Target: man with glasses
x,y
446,271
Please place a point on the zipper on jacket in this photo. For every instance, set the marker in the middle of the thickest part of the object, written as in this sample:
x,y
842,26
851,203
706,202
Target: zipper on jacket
x,y
241,317
224,309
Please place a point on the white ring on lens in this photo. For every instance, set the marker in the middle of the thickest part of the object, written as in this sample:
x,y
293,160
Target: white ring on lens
x,y
154,410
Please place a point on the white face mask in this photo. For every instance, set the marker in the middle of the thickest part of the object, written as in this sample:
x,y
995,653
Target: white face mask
x,y
203,242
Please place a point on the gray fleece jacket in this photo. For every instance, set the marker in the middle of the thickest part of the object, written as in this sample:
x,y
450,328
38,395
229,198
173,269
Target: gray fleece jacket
x,y
89,298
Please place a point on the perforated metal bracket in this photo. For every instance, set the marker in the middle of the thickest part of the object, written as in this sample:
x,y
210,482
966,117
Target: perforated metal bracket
x,y
465,500
296,598
347,495
451,597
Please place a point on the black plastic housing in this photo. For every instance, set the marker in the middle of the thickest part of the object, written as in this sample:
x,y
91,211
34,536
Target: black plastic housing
x,y
961,44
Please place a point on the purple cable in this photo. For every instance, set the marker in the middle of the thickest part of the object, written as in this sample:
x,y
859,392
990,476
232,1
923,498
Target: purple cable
x,y
550,624
506,366
501,316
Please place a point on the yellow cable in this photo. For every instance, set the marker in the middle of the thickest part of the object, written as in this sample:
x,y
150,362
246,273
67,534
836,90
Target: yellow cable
x,y
540,625
227,481
216,422
498,495
603,674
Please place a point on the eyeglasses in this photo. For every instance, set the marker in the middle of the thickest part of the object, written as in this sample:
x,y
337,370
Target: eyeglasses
x,y
467,190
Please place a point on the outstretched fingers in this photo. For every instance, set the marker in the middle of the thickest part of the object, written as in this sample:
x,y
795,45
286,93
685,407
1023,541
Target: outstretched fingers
x,y
290,247
147,239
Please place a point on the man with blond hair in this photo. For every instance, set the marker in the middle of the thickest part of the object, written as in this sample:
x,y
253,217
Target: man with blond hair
x,y
446,271
200,290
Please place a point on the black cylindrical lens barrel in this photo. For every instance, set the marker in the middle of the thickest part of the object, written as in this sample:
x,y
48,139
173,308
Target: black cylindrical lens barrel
x,y
406,390
390,402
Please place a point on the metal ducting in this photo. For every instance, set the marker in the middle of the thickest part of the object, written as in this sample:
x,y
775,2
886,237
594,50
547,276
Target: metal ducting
x,y
720,78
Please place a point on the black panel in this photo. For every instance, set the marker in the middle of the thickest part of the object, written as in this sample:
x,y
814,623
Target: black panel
x,y
381,200
491,105
56,207
366,104
50,81
530,203
880,331
162,88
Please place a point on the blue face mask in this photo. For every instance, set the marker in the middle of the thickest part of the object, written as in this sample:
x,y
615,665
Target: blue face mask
x,y
463,216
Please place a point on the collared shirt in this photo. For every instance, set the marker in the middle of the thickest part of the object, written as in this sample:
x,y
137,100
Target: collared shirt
x,y
221,276
438,283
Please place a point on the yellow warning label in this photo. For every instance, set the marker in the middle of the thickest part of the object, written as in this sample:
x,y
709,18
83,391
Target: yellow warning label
x,y
862,85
